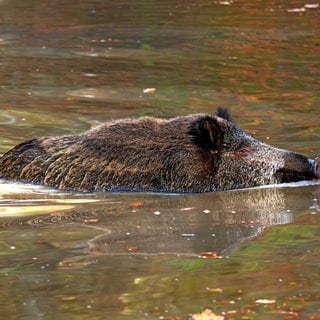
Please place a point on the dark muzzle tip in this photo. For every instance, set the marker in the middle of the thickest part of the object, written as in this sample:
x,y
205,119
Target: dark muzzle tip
x,y
316,167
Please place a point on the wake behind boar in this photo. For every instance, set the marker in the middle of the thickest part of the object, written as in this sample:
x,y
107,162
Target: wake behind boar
x,y
194,153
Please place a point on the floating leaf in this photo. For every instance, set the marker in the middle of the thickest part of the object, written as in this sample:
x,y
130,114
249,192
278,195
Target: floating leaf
x,y
296,10
215,290
210,255
206,314
312,5
137,203
149,90
265,301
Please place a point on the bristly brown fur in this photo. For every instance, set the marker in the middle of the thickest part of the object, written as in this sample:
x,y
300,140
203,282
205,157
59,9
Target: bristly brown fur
x,y
195,153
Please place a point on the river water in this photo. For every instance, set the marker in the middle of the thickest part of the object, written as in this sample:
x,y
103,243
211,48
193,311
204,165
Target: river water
x,y
244,254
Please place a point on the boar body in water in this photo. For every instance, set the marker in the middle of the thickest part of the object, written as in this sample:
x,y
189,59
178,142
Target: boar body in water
x,y
194,153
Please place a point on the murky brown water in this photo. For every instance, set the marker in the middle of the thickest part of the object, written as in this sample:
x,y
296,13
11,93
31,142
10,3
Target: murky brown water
x,y
66,66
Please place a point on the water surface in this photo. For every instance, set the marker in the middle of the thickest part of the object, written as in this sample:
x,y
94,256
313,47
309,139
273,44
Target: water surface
x,y
246,254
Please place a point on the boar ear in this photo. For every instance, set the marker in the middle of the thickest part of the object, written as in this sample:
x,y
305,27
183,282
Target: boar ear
x,y
224,113
206,133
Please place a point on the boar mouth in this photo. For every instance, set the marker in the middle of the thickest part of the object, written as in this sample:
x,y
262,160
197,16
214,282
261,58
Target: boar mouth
x,y
285,175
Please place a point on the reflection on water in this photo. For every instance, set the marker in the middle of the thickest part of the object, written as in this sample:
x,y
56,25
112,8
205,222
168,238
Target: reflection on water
x,y
151,223
52,240
145,223
66,66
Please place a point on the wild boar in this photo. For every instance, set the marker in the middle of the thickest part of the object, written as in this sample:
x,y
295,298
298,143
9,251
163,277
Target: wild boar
x,y
193,153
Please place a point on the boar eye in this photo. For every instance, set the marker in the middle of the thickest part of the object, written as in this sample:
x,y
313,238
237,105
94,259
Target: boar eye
x,y
243,151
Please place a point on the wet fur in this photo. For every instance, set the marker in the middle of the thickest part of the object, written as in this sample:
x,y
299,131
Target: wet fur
x,y
195,153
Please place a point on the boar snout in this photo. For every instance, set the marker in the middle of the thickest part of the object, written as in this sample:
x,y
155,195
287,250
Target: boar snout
x,y
316,167
298,167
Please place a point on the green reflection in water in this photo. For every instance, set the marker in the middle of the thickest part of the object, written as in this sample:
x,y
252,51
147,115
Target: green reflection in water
x,y
275,275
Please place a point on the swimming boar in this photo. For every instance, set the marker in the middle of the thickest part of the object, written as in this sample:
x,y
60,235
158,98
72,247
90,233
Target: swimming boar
x,y
194,153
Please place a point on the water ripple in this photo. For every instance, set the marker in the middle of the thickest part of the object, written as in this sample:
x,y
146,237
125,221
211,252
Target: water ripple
x,y
7,119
